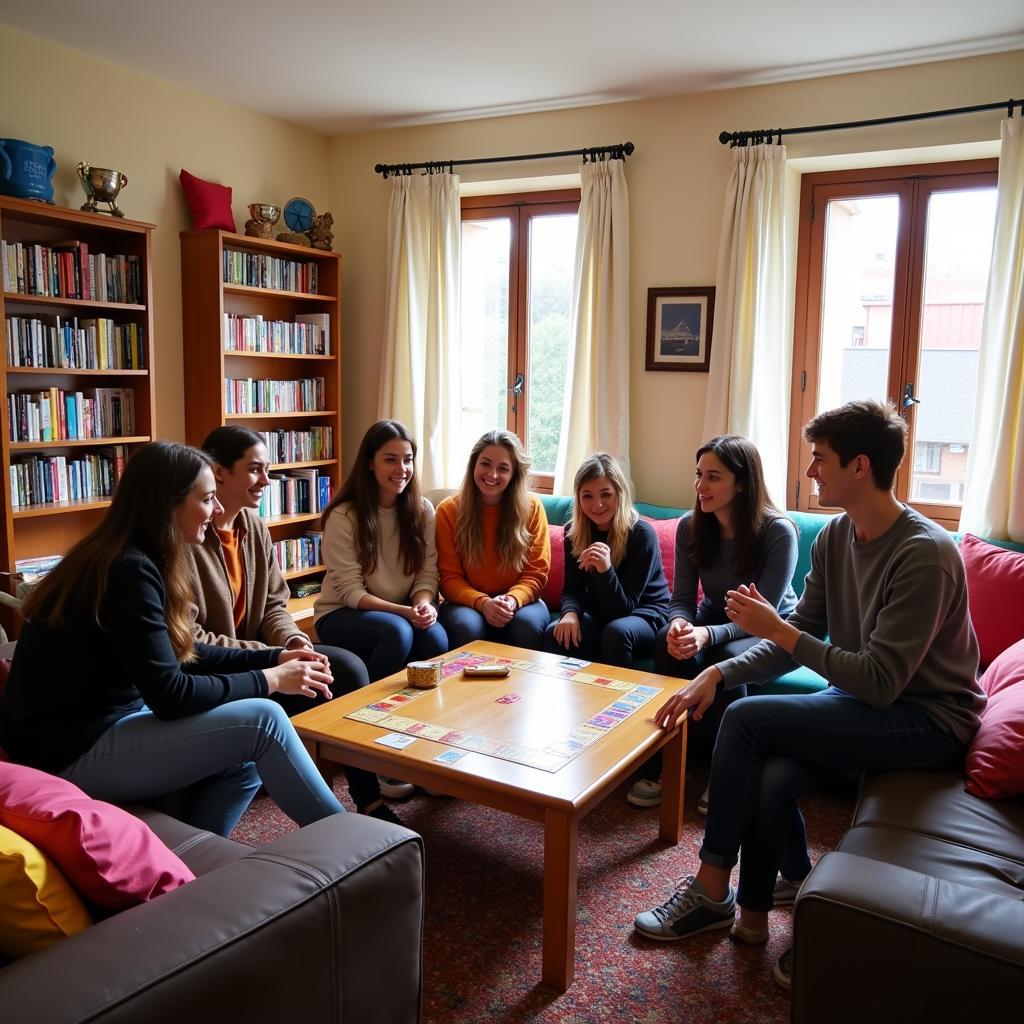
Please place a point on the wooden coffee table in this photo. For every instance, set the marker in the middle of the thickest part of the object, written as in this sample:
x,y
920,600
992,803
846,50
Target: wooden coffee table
x,y
543,710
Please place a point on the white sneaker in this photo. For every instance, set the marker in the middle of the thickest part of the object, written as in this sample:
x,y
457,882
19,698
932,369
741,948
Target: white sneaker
x,y
644,793
392,789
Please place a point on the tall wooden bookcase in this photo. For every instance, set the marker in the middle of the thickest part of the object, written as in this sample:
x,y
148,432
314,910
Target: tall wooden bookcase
x,y
35,530
206,298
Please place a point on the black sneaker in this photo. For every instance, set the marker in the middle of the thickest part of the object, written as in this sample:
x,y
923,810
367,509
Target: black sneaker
x,y
383,813
686,912
782,972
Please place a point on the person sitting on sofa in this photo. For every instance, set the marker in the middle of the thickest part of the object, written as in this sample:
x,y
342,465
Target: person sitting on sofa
x,y
493,550
381,584
614,597
887,588
109,690
241,597
734,534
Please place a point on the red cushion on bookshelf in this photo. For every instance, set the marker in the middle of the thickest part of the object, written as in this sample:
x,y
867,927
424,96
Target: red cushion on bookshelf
x,y
209,203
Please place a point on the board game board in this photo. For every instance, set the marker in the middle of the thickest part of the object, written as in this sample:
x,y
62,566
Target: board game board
x,y
390,712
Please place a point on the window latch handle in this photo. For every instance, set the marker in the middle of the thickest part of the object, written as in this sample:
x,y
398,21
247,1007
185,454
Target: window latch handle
x,y
516,390
908,396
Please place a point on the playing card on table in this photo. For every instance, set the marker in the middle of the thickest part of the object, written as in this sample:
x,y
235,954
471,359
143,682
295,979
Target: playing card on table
x,y
396,740
450,756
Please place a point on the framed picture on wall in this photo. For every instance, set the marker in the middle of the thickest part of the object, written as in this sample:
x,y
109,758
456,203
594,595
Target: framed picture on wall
x,y
679,322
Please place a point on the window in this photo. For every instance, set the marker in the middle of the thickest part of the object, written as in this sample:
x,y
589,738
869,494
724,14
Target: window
x,y
892,270
517,269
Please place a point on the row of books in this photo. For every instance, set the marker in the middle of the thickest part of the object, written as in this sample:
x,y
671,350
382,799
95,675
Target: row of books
x,y
57,415
298,552
75,343
258,270
310,445
249,395
68,270
44,480
309,335
294,492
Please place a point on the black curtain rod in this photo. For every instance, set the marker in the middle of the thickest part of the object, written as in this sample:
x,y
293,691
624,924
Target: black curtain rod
x,y
619,151
767,134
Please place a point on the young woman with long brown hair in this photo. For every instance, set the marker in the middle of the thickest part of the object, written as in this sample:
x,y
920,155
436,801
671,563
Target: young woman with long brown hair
x,y
734,536
109,690
493,549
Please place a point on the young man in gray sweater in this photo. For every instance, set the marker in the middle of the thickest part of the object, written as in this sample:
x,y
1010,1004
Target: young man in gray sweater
x,y
883,617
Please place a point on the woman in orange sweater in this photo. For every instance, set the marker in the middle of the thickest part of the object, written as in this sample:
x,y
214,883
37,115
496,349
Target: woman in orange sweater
x,y
493,550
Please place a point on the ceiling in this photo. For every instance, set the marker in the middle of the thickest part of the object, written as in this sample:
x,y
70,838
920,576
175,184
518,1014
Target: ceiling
x,y
344,66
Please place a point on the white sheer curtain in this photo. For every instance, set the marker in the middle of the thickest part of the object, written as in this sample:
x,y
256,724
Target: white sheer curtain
x,y
419,383
751,352
994,492
596,408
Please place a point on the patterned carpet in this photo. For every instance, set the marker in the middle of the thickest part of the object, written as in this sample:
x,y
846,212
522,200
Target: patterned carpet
x,y
482,946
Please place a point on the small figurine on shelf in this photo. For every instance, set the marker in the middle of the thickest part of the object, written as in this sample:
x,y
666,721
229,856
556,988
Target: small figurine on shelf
x,y
320,233
264,217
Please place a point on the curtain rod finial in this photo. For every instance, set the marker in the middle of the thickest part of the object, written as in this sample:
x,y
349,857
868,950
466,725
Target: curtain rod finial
x,y
725,138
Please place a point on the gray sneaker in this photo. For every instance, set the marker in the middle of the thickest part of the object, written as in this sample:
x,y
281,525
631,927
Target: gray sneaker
x,y
688,911
393,789
644,793
782,972
784,893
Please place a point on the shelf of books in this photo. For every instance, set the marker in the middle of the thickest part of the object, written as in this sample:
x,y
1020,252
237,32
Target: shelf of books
x,y
78,346
261,323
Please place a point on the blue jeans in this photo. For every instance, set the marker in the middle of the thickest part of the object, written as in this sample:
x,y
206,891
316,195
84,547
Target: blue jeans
x,y
349,674
386,642
464,625
228,750
771,749
617,642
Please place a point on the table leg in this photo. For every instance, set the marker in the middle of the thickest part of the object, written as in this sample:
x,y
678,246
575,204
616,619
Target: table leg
x,y
673,786
561,845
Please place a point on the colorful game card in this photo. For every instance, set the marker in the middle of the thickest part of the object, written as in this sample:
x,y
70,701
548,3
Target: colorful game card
x,y
508,698
396,740
450,756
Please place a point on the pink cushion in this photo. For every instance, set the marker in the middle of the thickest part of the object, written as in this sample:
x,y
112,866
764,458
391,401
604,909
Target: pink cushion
x,y
209,203
666,531
552,592
995,591
109,856
995,758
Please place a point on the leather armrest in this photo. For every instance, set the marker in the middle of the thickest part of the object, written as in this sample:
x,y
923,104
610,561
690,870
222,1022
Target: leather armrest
x,y
324,924
874,941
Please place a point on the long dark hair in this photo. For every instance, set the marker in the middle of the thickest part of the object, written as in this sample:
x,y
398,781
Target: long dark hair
x,y
157,479
513,531
752,510
360,490
226,445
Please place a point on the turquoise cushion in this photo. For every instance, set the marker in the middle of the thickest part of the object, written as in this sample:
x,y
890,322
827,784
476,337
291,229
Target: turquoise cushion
x,y
800,680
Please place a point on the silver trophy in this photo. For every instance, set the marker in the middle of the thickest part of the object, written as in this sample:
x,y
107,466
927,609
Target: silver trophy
x,y
101,186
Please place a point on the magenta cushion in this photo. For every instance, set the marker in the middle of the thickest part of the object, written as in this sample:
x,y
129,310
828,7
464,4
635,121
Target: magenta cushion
x,y
995,591
666,531
109,856
552,592
995,758
209,203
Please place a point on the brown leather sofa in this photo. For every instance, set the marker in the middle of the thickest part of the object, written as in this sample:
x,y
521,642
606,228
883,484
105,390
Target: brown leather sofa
x,y
919,913
324,925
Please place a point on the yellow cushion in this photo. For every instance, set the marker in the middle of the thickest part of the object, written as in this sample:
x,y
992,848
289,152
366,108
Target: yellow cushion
x,y
37,906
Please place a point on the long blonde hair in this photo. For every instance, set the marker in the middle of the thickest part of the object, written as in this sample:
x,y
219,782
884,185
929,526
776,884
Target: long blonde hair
x,y
513,529
156,480
581,531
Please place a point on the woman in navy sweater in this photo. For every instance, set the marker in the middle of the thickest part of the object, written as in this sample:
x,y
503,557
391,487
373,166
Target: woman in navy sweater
x,y
615,598
108,690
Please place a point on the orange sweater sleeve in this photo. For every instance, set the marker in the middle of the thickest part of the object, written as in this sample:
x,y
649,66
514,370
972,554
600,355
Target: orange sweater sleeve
x,y
534,574
454,585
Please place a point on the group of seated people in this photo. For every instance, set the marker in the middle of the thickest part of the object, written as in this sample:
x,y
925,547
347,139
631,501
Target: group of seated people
x,y
148,654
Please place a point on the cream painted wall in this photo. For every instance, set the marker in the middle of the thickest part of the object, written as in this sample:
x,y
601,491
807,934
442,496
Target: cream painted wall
x,y
88,109
676,184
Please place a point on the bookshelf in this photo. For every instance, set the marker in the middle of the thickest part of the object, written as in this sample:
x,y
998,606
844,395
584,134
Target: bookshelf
x,y
91,329
222,342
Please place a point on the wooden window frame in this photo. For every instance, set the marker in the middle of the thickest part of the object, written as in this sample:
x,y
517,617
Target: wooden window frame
x,y
914,184
521,208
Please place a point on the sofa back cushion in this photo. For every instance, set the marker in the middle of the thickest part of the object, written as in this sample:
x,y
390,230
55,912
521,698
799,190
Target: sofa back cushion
x,y
552,592
37,906
110,857
995,591
995,758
